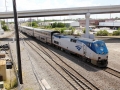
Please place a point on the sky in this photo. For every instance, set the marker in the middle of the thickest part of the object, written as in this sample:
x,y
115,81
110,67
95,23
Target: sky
x,y
49,4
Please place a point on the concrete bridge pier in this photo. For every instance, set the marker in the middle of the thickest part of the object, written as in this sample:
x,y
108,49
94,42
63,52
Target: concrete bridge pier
x,y
87,16
87,34
1,30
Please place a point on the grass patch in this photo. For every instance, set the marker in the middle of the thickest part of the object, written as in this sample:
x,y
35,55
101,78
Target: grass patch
x,y
28,89
10,85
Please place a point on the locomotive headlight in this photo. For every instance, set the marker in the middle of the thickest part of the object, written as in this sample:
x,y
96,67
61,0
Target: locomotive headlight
x,y
99,58
107,57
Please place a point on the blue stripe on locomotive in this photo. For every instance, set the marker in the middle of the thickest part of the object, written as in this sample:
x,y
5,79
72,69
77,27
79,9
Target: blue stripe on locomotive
x,y
98,47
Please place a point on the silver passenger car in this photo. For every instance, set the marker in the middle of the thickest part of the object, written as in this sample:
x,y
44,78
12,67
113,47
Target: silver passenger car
x,y
44,35
28,30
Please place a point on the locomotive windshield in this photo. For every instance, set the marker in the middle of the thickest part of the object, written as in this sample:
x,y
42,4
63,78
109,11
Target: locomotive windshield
x,y
100,47
99,44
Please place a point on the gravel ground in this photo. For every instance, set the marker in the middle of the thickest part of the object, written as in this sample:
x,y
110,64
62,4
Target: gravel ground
x,y
96,76
6,34
44,71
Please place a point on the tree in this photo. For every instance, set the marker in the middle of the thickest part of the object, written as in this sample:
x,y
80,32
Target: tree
x,y
84,30
59,25
72,28
62,30
2,22
33,24
119,28
54,25
116,33
4,27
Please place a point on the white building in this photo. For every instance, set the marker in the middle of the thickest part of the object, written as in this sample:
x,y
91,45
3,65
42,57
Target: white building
x,y
75,24
44,23
67,23
115,23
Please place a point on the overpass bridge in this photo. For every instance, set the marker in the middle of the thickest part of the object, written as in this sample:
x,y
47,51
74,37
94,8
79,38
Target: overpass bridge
x,y
65,11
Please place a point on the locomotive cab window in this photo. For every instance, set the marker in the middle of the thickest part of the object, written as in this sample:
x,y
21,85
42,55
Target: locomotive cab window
x,y
89,44
96,45
73,40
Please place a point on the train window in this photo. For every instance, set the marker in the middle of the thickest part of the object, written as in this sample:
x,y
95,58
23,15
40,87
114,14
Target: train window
x,y
89,44
43,38
102,44
73,40
96,45
56,42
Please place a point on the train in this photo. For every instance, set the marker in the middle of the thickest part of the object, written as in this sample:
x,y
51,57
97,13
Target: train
x,y
90,50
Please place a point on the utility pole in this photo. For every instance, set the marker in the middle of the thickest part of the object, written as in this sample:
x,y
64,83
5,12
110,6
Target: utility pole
x,y
17,42
110,16
31,21
6,11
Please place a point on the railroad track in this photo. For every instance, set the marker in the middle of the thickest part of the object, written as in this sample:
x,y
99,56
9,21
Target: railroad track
x,y
67,72
112,72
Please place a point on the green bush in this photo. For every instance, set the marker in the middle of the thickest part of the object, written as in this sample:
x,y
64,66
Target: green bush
x,y
102,33
3,22
62,30
5,27
54,25
47,27
33,24
116,33
60,25
84,30
72,29
119,28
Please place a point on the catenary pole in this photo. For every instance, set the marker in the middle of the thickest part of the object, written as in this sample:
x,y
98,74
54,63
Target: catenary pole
x,y
6,11
17,43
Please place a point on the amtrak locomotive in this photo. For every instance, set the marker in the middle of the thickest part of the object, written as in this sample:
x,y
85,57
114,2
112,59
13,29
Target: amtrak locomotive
x,y
90,50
